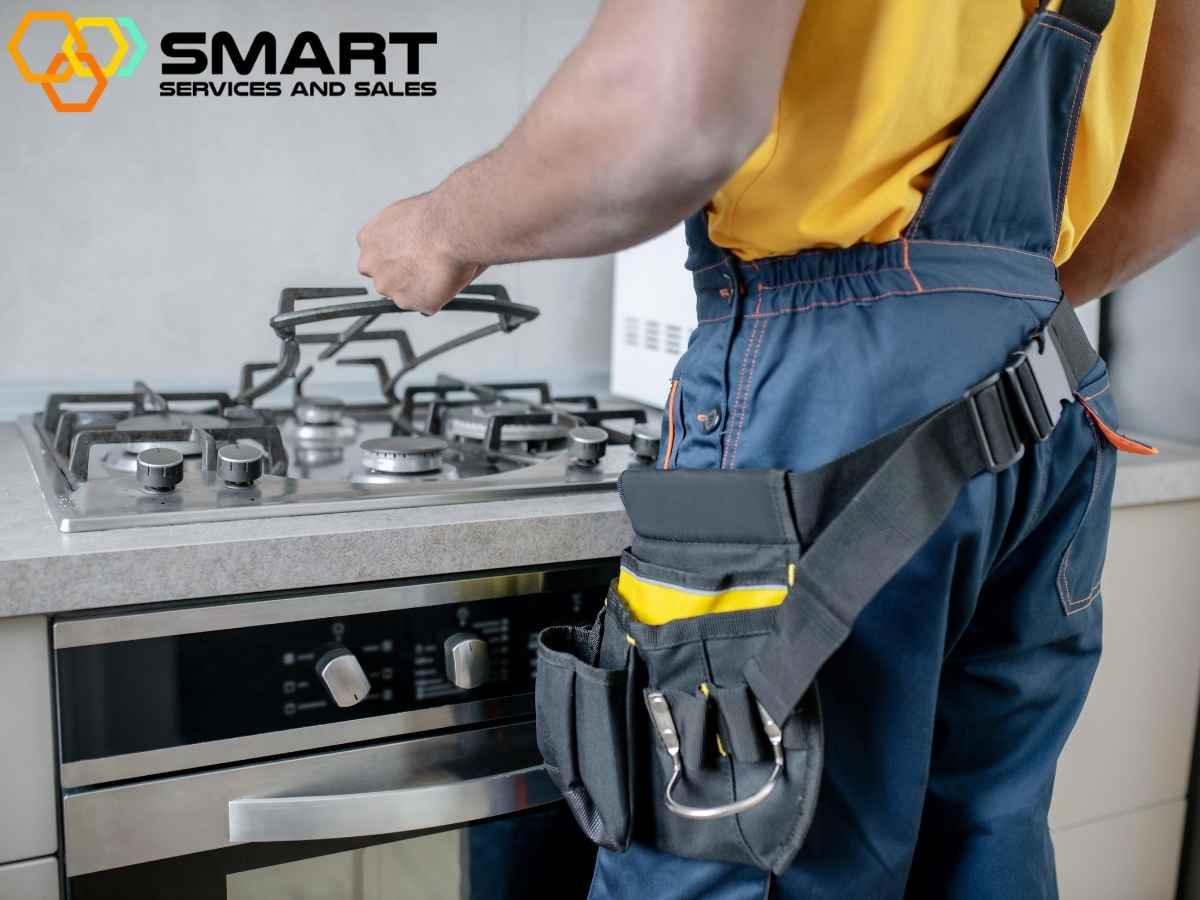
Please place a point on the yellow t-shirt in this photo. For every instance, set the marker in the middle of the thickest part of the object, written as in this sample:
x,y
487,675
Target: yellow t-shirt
x,y
874,94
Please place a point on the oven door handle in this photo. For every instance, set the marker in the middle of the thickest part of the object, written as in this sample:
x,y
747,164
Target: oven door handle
x,y
332,816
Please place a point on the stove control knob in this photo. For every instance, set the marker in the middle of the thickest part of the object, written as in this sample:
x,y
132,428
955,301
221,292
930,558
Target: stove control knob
x,y
343,677
239,465
467,660
645,442
159,469
586,444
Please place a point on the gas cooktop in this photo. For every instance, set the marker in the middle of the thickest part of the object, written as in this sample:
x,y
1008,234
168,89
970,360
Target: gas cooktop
x,y
116,460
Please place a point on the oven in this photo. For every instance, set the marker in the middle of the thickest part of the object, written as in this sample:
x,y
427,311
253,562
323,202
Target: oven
x,y
369,742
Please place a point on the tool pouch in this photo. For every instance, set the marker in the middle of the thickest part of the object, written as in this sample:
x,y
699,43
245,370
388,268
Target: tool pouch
x,y
688,717
646,720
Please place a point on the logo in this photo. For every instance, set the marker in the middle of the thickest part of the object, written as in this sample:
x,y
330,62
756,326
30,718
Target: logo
x,y
75,60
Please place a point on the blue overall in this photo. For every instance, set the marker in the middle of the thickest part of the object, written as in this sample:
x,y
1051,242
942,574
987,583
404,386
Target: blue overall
x,y
946,710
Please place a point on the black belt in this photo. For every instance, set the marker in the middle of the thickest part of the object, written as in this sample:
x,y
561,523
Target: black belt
x,y
890,495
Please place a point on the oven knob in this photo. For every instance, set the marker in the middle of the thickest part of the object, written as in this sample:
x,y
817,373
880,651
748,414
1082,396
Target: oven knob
x,y
586,444
467,660
159,469
344,678
238,465
645,441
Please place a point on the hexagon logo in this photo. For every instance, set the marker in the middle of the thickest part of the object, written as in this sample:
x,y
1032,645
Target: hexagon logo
x,y
75,58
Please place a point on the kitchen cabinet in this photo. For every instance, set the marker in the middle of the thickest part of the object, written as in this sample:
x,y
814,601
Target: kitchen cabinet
x,y
1122,786
35,879
28,828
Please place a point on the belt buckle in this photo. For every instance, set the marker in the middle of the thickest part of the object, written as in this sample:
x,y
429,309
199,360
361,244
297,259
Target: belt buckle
x,y
995,460
1039,385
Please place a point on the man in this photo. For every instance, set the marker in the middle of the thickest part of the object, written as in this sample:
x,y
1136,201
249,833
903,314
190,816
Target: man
x,y
892,195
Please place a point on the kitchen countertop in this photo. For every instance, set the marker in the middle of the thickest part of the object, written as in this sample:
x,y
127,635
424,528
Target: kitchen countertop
x,y
44,571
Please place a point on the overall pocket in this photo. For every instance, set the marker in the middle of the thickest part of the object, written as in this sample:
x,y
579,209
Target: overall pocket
x,y
1082,564
583,731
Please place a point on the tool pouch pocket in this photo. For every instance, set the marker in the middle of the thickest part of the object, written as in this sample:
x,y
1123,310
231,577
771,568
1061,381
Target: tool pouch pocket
x,y
722,780
584,728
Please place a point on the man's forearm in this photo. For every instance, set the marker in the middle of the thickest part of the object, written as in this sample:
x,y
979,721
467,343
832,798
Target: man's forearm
x,y
654,110
625,141
1155,206
545,195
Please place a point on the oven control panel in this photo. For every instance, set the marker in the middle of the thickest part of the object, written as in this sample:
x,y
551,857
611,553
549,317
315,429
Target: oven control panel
x,y
128,696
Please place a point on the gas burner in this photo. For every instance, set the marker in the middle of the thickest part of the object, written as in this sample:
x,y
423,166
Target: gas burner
x,y
471,423
166,421
319,410
446,473
315,457
403,455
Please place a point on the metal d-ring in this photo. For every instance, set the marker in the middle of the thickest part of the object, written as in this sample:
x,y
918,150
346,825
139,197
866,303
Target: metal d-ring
x,y
664,724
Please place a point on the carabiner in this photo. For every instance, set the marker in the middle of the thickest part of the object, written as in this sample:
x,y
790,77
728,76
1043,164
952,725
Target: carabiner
x,y
664,724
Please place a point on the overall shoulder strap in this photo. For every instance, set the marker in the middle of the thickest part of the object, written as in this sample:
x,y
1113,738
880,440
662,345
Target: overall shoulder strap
x,y
1092,14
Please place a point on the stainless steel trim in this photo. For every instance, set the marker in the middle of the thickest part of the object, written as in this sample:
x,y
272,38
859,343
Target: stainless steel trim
x,y
277,743
331,816
108,629
127,824
119,502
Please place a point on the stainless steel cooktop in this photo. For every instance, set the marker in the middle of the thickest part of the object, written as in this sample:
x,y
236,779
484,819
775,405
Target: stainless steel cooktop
x,y
148,458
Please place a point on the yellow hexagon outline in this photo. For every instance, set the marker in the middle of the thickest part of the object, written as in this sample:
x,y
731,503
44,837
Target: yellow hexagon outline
x,y
81,25
14,45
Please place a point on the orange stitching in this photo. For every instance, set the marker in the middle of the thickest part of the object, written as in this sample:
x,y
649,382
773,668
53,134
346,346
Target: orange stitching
x,y
1061,18
737,394
741,385
908,267
1069,139
1099,392
980,246
719,262
1074,604
1069,34
787,284
825,304
762,330
820,304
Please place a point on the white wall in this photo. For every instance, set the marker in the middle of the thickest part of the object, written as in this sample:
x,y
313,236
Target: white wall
x,y
1153,325
149,239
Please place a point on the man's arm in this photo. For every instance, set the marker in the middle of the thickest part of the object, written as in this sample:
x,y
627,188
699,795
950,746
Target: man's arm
x,y
1155,205
647,118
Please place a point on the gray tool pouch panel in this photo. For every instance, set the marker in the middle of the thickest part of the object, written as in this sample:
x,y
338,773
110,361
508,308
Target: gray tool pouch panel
x,y
584,728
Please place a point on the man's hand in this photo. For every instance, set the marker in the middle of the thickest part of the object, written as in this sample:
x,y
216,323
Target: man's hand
x,y
402,252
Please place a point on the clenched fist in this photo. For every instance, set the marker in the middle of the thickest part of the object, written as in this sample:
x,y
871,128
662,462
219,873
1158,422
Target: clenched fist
x,y
401,250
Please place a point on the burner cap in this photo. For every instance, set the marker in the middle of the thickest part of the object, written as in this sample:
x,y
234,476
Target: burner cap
x,y
169,422
319,410
403,455
471,422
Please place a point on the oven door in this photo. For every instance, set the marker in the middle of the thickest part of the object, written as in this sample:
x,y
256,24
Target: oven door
x,y
467,814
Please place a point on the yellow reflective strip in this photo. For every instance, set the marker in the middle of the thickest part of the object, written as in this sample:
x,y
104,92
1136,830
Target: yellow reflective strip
x,y
655,603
